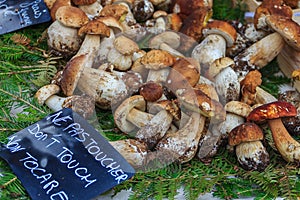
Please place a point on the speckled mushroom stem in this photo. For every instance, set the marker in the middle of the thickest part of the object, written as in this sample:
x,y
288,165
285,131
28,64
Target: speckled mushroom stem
x,y
287,146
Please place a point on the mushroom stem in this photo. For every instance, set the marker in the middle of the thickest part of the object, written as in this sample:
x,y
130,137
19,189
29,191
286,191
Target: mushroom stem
x,y
287,146
55,102
138,118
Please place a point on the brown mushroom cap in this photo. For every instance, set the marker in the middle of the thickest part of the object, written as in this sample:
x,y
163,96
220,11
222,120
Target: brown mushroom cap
x,y
114,10
272,110
56,5
83,2
222,28
94,27
157,59
270,7
151,91
71,74
197,101
183,72
287,28
246,132
71,16
125,45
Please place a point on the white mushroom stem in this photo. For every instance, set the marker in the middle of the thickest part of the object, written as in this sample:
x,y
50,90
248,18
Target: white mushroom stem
x,y
210,49
55,102
102,86
155,128
158,76
138,118
263,96
287,146
89,46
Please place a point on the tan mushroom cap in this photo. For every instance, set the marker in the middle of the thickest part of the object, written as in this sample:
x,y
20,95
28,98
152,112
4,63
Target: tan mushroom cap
x,y
125,45
197,101
287,28
183,72
217,66
45,92
120,114
94,27
114,10
57,4
238,108
157,59
71,74
246,132
169,37
222,28
49,3
111,22
83,2
71,16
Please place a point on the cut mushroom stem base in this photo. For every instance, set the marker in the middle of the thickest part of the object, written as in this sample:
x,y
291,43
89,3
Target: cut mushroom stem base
x,y
287,146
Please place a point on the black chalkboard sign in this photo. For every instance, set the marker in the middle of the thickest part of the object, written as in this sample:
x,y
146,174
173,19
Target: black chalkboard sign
x,y
64,157
17,14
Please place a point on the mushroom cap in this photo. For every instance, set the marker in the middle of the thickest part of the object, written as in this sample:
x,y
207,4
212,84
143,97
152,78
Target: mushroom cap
x,y
238,108
83,2
174,21
94,27
125,45
71,74
157,59
169,37
287,28
45,92
197,101
217,65
245,132
114,10
273,7
194,23
222,28
56,5
151,91
183,71
71,16
120,114
111,22
272,110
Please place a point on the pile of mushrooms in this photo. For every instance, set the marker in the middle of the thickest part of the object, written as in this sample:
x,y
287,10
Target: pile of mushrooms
x,y
180,84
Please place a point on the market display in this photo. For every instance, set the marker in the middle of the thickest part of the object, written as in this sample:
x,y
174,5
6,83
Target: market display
x,y
180,85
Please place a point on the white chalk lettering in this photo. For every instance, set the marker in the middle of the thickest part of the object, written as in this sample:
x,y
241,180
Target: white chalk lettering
x,y
56,120
13,144
31,163
53,142
66,157
61,195
77,132
39,135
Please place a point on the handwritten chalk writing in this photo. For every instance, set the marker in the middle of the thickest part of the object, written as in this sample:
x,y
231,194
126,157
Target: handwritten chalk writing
x,y
56,120
53,142
35,131
106,162
34,6
13,144
66,157
61,195
77,132
31,163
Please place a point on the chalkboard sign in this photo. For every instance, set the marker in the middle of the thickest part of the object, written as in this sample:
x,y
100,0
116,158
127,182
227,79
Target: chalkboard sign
x,y
17,14
64,157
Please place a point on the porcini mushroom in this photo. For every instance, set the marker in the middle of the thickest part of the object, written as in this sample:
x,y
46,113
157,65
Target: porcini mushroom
x,y
83,104
287,146
250,152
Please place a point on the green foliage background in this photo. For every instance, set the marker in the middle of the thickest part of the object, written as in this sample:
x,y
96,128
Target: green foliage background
x,y
24,68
